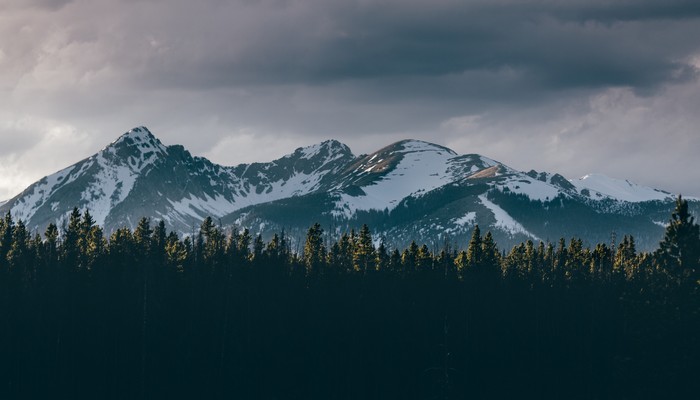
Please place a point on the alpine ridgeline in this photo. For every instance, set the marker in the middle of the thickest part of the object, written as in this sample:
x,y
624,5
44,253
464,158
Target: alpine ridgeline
x,y
410,190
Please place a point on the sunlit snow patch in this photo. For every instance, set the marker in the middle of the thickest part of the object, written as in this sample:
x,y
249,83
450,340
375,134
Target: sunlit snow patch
x,y
424,167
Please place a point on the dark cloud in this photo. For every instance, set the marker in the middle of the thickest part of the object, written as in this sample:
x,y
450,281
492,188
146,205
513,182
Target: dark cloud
x,y
582,44
528,82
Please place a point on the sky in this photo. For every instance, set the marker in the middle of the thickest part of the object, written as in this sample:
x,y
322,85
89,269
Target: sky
x,y
574,87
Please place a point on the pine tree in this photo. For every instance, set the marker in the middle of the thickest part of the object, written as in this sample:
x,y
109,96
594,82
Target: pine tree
x,y
515,263
176,253
490,256
679,252
7,226
51,244
363,256
395,262
462,264
345,253
624,265
258,247
71,241
314,250
19,256
243,245
474,250
381,261
273,249
424,260
409,257
142,237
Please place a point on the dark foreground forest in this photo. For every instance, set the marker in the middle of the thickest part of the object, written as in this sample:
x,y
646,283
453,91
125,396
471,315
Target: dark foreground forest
x,y
146,314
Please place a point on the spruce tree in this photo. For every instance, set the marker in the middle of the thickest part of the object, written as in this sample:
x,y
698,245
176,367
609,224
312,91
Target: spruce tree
x,y
314,250
474,251
679,252
363,256
6,228
71,241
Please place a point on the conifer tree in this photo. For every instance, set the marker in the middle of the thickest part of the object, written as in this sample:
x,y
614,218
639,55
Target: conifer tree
x,y
409,257
19,256
381,261
176,253
490,256
363,256
679,252
314,250
243,246
462,264
6,230
474,250
71,241
424,260
258,247
142,237
272,251
51,244
159,242
345,252
395,263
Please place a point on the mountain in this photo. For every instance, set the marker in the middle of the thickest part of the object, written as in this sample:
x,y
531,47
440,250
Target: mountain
x,y
408,190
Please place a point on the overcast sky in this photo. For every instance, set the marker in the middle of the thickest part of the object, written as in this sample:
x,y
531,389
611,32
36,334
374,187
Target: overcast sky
x,y
572,86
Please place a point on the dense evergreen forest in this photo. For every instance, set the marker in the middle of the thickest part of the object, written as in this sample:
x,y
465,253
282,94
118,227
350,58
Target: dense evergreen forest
x,y
146,314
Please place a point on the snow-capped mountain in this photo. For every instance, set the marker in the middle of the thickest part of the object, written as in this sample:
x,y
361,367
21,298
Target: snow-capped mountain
x,y
137,175
408,190
598,186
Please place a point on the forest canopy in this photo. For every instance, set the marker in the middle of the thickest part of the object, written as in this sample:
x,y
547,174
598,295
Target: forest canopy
x,y
145,313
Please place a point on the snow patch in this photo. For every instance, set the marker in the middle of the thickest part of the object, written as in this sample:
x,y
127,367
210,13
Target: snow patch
x,y
532,188
661,223
503,220
466,220
201,207
601,186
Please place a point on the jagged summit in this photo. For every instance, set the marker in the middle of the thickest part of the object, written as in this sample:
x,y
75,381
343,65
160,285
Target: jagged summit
x,y
138,134
138,143
327,148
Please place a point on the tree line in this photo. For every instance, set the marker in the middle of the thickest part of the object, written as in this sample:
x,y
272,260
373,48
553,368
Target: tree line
x,y
147,314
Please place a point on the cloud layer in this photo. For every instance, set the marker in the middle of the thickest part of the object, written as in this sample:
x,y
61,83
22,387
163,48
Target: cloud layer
x,y
571,86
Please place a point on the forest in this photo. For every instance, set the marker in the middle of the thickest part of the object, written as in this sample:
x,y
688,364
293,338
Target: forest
x,y
147,314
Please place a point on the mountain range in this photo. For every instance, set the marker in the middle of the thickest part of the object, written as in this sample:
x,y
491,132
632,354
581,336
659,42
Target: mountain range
x,y
409,190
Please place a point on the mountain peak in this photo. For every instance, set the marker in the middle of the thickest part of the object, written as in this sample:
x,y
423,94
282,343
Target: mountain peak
x,y
328,148
139,134
415,145
140,138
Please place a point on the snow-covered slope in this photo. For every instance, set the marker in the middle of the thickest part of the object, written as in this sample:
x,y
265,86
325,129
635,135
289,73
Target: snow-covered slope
x,y
598,186
98,183
386,177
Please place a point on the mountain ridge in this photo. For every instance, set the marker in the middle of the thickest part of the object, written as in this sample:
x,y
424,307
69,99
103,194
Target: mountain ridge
x,y
402,188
